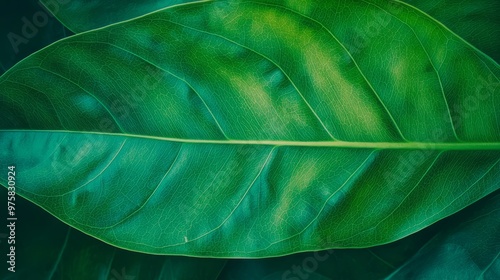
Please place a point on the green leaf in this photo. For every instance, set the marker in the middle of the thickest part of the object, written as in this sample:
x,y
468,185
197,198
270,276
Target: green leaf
x,y
229,137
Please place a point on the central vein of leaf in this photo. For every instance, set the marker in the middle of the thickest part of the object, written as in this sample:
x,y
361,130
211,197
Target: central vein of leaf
x,y
339,144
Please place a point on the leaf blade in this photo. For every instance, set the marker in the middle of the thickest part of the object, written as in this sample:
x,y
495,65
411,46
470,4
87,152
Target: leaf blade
x,y
257,129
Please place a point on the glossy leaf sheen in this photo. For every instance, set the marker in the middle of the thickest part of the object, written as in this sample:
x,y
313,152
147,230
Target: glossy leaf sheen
x,y
212,141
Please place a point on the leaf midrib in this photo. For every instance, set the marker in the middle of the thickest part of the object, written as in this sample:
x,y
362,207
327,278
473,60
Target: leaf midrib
x,y
443,146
